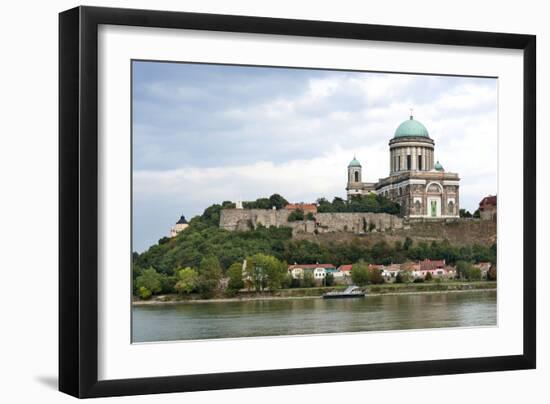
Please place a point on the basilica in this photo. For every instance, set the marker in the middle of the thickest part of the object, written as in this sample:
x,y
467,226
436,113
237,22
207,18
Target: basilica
x,y
421,187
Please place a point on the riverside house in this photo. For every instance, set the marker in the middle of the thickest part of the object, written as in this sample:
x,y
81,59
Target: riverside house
x,y
319,271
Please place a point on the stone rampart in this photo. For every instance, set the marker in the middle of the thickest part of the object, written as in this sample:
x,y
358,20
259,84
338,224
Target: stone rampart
x,y
358,223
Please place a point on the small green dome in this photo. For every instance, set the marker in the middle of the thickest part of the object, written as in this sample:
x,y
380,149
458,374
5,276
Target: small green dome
x,y
438,167
354,163
411,127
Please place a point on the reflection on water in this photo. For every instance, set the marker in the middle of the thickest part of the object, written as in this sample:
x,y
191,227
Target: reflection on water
x,y
312,316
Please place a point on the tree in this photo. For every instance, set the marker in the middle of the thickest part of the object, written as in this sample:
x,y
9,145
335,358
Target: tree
x,y
310,216
209,276
265,271
476,214
278,201
188,280
235,275
464,213
144,293
329,279
462,268
360,273
403,277
307,279
474,274
149,280
375,277
408,243
428,276
296,215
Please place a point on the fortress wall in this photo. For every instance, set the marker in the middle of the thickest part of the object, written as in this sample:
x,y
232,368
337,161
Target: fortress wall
x,y
246,219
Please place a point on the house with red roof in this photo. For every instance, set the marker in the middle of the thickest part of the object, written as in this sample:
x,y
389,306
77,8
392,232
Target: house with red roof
x,y
488,208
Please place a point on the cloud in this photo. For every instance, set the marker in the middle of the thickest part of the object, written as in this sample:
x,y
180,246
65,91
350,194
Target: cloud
x,y
204,134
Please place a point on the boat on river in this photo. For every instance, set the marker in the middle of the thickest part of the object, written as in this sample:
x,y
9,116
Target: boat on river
x,y
350,292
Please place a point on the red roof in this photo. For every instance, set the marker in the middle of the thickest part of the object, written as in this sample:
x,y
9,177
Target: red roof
x,y
427,264
345,268
310,266
306,207
489,200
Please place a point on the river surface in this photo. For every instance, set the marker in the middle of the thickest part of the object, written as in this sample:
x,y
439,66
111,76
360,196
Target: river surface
x,y
169,322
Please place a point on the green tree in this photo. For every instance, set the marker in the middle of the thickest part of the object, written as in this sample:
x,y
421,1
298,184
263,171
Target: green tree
x,y
474,274
144,293
278,201
428,276
150,280
375,277
403,277
462,268
464,213
310,216
209,276
187,280
266,271
329,279
408,243
296,215
308,280
360,273
235,275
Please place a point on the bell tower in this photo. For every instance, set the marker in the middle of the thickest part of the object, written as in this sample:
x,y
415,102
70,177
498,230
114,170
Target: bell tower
x,y
355,182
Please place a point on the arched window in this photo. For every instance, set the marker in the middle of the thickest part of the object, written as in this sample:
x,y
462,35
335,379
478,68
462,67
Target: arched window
x,y
357,176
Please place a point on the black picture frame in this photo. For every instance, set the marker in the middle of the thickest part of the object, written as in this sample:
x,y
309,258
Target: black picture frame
x,y
78,200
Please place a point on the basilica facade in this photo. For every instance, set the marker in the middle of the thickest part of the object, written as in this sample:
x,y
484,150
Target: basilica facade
x,y
416,180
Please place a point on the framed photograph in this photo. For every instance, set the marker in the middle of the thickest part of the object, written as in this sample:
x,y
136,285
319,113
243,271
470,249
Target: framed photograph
x,y
250,201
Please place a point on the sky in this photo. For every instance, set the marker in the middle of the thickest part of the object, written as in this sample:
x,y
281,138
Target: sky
x,y
203,134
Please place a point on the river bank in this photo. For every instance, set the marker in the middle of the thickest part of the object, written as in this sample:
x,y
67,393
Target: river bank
x,y
315,293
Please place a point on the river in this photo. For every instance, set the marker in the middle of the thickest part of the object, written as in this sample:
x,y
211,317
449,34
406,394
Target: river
x,y
169,322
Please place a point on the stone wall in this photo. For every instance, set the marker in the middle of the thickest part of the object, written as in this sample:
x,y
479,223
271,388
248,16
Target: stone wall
x,y
358,223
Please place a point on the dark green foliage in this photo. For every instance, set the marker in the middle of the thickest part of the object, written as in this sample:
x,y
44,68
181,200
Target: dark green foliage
x,y
329,279
464,213
361,203
296,215
310,216
267,203
164,240
428,277
476,214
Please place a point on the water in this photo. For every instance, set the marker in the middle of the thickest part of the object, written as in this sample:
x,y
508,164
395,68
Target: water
x,y
312,316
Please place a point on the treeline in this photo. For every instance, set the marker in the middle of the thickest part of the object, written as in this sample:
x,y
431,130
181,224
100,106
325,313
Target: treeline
x,y
203,238
360,203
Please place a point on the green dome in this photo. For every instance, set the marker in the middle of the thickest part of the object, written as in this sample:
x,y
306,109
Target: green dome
x,y
411,127
354,163
438,167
